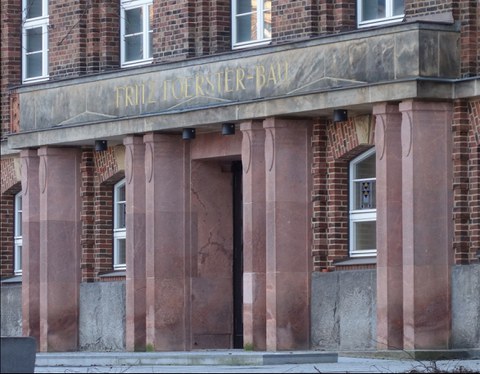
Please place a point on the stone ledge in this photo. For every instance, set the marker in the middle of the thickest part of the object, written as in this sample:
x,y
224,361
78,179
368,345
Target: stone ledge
x,y
418,354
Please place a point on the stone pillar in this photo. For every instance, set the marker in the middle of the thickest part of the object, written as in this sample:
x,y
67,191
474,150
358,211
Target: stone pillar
x,y
30,245
59,184
165,242
135,334
287,167
427,223
389,226
254,255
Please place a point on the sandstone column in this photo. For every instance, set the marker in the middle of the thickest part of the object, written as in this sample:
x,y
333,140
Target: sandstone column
x,y
389,226
59,184
135,243
427,223
165,169
254,266
287,168
30,245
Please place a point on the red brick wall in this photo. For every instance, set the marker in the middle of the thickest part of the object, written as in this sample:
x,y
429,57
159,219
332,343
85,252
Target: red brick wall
x,y
334,145
10,57
174,29
9,187
466,181
100,170
294,19
474,180
6,234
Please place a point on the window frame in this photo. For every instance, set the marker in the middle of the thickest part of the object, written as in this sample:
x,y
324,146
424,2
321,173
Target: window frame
x,y
389,17
119,232
146,32
17,234
41,22
359,215
260,26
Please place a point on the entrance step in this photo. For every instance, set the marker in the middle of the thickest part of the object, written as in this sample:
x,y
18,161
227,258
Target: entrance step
x,y
206,357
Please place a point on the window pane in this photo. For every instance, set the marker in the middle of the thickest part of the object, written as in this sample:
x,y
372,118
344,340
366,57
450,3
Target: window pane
x,y
365,235
365,168
267,4
120,251
133,48
34,39
18,258
398,7
246,6
34,65
365,195
373,9
33,8
247,28
267,25
133,21
150,41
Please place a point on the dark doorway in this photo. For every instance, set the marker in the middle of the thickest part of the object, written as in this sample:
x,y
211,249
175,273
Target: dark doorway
x,y
237,255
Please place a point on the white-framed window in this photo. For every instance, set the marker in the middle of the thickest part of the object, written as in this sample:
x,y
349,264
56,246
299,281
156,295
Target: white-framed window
x,y
17,236
136,32
34,40
363,205
251,22
375,12
119,227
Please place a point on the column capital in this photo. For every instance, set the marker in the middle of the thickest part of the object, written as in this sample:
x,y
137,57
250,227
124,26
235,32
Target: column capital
x,y
385,108
425,106
133,140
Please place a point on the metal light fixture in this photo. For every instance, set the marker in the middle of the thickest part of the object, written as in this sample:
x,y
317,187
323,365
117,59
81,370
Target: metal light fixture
x,y
101,145
340,115
228,129
188,134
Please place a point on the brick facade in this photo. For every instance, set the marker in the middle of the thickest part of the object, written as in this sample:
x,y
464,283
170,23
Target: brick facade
x,y
84,39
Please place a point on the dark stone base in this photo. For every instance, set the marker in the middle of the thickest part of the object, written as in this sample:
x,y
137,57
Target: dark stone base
x,y
18,354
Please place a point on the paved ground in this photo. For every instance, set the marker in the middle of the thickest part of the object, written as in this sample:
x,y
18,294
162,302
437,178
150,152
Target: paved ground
x,y
84,362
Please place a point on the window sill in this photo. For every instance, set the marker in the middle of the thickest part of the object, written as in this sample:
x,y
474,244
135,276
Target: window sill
x,y
357,263
117,275
14,279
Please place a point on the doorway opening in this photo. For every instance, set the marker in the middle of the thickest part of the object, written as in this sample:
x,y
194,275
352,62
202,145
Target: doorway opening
x,y
237,254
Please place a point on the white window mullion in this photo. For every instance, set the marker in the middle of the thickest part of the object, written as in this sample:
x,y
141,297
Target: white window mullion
x,y
18,235
37,20
144,33
388,17
119,226
362,203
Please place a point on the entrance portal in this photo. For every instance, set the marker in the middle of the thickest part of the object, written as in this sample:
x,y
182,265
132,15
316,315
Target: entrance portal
x,y
237,254
217,266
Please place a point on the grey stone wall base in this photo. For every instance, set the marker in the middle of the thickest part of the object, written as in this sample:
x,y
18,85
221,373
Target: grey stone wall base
x,y
18,354
418,354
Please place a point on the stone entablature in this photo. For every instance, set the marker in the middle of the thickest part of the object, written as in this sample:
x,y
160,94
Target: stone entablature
x,y
396,53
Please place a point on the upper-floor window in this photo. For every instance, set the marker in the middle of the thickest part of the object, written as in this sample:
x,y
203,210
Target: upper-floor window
x,y
136,31
373,12
363,205
251,22
119,226
17,238
34,40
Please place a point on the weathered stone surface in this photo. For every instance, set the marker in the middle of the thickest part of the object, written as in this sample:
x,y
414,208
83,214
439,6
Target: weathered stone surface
x,y
102,316
11,310
368,56
466,306
344,310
